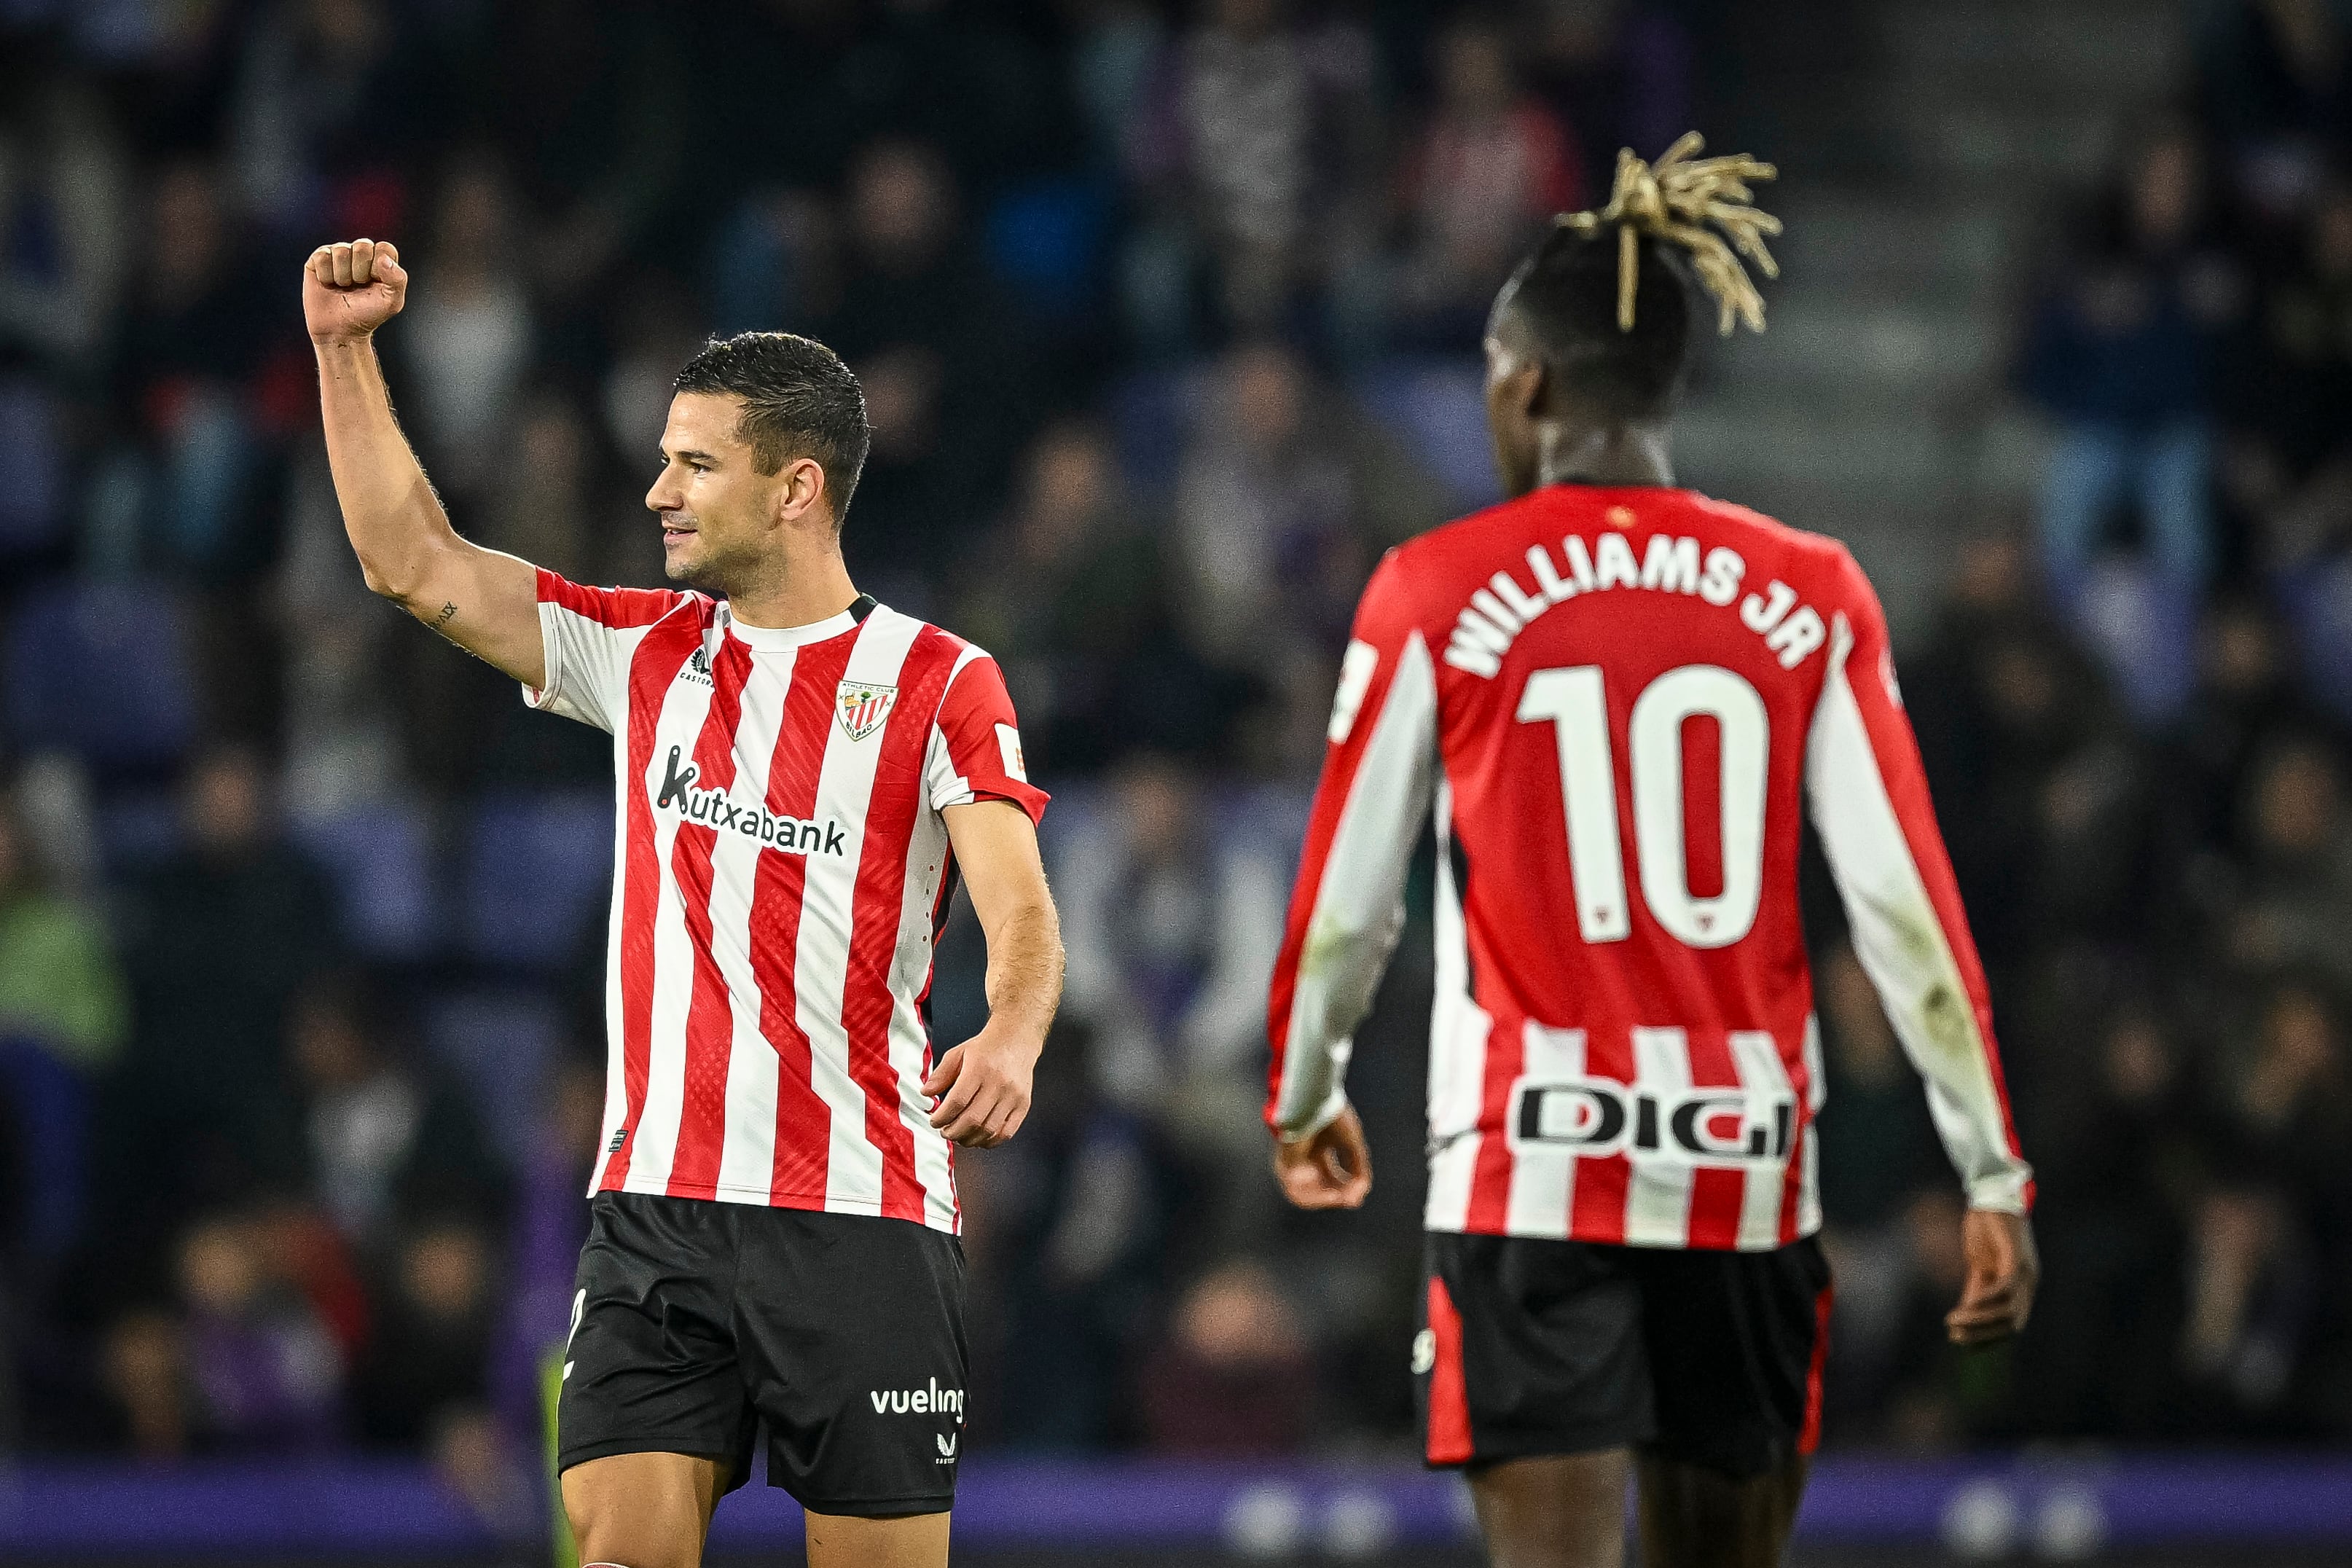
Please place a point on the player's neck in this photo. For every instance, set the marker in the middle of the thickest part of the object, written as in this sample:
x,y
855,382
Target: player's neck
x,y
1610,456
799,592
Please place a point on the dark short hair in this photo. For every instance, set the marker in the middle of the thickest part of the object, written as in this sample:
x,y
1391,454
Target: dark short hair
x,y
799,401
1566,295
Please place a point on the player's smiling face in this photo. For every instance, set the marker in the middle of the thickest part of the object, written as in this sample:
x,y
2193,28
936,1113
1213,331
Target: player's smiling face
x,y
717,512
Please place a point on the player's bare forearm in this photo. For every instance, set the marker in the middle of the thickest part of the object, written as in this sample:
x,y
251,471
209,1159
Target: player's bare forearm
x,y
984,1084
479,599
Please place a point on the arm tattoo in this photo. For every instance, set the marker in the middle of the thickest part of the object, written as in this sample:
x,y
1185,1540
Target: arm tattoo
x,y
449,613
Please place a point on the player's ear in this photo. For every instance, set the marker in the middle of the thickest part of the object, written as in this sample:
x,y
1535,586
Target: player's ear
x,y
802,494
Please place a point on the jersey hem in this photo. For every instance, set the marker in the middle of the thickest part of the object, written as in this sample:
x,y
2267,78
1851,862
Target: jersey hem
x,y
1804,1233
762,1198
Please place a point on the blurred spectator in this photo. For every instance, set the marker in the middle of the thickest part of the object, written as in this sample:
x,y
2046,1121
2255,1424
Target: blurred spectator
x,y
430,1357
64,211
2278,87
264,1371
551,1221
326,106
1235,1374
194,342
595,118
1492,168
60,987
1255,154
939,353
1066,1237
1617,72
385,1144
468,327
2119,353
2294,903
1285,498
2246,696
219,939
1071,596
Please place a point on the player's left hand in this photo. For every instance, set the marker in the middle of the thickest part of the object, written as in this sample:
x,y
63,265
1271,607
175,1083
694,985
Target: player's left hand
x,y
983,1087
1330,1170
2003,1270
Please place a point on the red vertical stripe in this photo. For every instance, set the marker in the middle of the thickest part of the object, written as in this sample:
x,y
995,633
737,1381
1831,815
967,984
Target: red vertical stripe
x,y
1800,1088
1449,1441
1702,736
1717,1191
651,670
866,1001
1809,1436
1490,1176
709,1014
1598,1211
802,1158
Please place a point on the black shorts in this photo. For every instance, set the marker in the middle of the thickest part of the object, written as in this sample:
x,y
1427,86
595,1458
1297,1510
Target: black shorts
x,y
694,1322
1530,1346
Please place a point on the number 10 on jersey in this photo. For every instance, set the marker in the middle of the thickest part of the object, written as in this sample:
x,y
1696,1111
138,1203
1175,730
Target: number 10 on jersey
x,y
1576,703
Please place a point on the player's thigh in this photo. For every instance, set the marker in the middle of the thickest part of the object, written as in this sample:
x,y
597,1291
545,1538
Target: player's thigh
x,y
651,1370
643,1510
852,1340
848,1540
1695,1517
1737,1342
1556,1510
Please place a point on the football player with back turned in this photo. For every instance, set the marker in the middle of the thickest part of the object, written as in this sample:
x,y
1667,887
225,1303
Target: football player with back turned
x,y
1616,699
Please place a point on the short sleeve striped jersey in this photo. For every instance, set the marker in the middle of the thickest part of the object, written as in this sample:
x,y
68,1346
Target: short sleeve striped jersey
x,y
782,866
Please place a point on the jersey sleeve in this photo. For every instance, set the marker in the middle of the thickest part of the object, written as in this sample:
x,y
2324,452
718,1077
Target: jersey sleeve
x,y
1347,906
1868,794
975,750
588,635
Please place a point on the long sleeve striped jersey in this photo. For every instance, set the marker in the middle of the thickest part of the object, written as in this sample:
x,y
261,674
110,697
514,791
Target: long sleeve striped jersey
x,y
1614,705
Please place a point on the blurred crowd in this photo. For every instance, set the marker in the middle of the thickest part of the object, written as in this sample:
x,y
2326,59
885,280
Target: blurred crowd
x,y
1166,317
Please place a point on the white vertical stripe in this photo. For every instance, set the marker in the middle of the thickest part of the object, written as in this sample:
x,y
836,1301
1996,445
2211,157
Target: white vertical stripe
x,y
925,860
1765,1079
685,705
828,909
1458,1028
1359,900
747,1160
1657,1198
1543,1176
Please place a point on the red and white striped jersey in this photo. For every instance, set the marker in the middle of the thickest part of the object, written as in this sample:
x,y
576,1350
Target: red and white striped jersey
x,y
1615,704
781,869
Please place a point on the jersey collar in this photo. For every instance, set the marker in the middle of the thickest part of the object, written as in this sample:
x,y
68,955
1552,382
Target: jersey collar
x,y
782,639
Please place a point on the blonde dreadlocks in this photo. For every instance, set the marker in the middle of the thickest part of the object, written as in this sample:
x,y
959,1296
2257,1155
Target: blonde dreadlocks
x,y
1675,199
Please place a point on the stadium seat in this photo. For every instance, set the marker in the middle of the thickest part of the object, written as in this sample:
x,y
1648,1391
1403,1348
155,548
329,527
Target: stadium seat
x,y
32,504
379,857
1045,239
538,872
51,1105
1439,407
498,1043
100,670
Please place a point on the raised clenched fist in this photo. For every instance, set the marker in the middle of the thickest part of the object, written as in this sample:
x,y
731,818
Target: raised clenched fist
x,y
351,289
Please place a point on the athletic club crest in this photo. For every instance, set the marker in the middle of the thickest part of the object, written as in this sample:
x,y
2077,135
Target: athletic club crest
x,y
862,707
